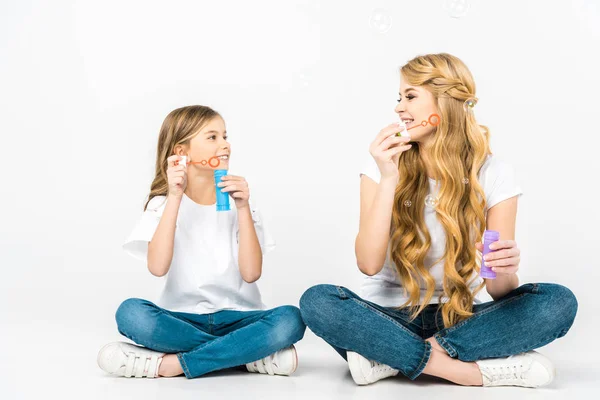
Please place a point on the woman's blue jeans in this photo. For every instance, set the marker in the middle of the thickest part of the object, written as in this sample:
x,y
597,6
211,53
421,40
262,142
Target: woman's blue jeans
x,y
528,317
210,342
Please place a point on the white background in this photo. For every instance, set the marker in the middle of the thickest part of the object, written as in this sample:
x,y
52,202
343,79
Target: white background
x,y
303,86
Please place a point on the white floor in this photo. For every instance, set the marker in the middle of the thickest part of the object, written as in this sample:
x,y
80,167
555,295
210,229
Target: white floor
x,y
49,356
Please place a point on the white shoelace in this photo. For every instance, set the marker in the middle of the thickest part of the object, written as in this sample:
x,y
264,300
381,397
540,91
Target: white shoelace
x,y
380,368
508,373
140,367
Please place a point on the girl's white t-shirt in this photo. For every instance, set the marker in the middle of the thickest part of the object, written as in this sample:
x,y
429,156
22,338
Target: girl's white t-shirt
x,y
204,276
499,183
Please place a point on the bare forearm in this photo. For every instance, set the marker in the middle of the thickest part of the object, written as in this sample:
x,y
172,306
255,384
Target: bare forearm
x,y
160,249
374,233
502,285
250,254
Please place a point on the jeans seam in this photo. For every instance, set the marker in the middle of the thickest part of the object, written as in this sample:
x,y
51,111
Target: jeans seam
x,y
449,349
341,292
423,362
184,366
385,316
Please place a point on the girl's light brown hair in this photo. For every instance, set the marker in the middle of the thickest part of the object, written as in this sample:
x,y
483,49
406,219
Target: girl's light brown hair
x,y
459,149
178,128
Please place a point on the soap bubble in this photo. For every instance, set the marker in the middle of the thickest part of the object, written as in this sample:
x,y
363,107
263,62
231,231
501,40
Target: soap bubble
x,y
380,20
304,78
470,104
457,8
431,201
408,203
466,181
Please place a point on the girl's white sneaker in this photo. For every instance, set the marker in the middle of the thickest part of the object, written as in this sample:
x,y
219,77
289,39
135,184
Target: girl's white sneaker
x,y
529,369
282,362
129,360
365,371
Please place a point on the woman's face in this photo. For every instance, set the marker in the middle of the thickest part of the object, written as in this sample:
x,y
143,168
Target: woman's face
x,y
415,105
211,142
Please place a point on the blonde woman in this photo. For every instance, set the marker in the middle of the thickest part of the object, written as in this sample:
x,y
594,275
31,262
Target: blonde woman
x,y
210,315
426,199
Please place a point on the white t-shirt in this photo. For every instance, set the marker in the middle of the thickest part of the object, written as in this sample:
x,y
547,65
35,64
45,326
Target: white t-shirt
x,y
204,276
385,288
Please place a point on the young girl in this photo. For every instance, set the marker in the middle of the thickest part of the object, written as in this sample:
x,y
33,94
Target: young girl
x,y
210,315
426,200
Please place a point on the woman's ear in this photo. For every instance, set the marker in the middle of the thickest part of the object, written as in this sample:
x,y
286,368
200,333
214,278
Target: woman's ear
x,y
180,150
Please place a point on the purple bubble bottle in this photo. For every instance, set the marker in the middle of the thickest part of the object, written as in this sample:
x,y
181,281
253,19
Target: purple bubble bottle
x,y
489,237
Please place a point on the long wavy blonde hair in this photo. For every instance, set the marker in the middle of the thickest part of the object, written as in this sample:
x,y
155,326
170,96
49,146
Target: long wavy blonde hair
x,y
459,148
178,128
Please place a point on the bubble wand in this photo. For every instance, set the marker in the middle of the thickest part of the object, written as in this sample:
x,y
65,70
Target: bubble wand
x,y
433,120
214,162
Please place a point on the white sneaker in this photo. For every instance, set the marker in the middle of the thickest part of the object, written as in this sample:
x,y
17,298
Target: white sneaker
x,y
125,359
529,369
283,362
365,371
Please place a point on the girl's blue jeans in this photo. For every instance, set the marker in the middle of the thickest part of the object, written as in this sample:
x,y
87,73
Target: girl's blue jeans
x,y
210,342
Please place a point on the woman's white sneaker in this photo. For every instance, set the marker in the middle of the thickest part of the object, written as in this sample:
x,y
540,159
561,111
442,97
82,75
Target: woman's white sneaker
x,y
365,371
529,369
128,360
283,362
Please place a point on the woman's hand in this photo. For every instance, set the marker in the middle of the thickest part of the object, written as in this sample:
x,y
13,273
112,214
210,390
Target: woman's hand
x,y
176,176
237,187
386,150
505,257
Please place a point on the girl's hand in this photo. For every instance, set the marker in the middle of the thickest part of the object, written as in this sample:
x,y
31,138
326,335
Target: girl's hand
x,y
176,176
505,257
386,150
237,187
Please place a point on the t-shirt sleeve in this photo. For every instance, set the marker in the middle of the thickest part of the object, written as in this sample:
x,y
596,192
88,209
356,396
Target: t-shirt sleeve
x,y
266,241
500,182
136,244
370,169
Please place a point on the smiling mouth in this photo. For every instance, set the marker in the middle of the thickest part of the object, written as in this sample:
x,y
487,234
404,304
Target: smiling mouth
x,y
223,158
408,122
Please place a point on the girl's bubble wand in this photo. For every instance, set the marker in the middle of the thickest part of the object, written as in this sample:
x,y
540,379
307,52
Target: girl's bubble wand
x,y
222,197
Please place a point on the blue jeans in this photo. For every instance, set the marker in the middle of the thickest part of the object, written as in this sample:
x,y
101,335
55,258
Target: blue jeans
x,y
210,342
528,317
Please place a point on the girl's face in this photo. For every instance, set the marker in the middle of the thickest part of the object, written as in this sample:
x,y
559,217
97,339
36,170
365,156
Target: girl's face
x,y
210,142
416,104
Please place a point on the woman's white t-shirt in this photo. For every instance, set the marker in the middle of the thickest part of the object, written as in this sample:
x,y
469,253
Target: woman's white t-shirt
x,y
499,183
204,276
